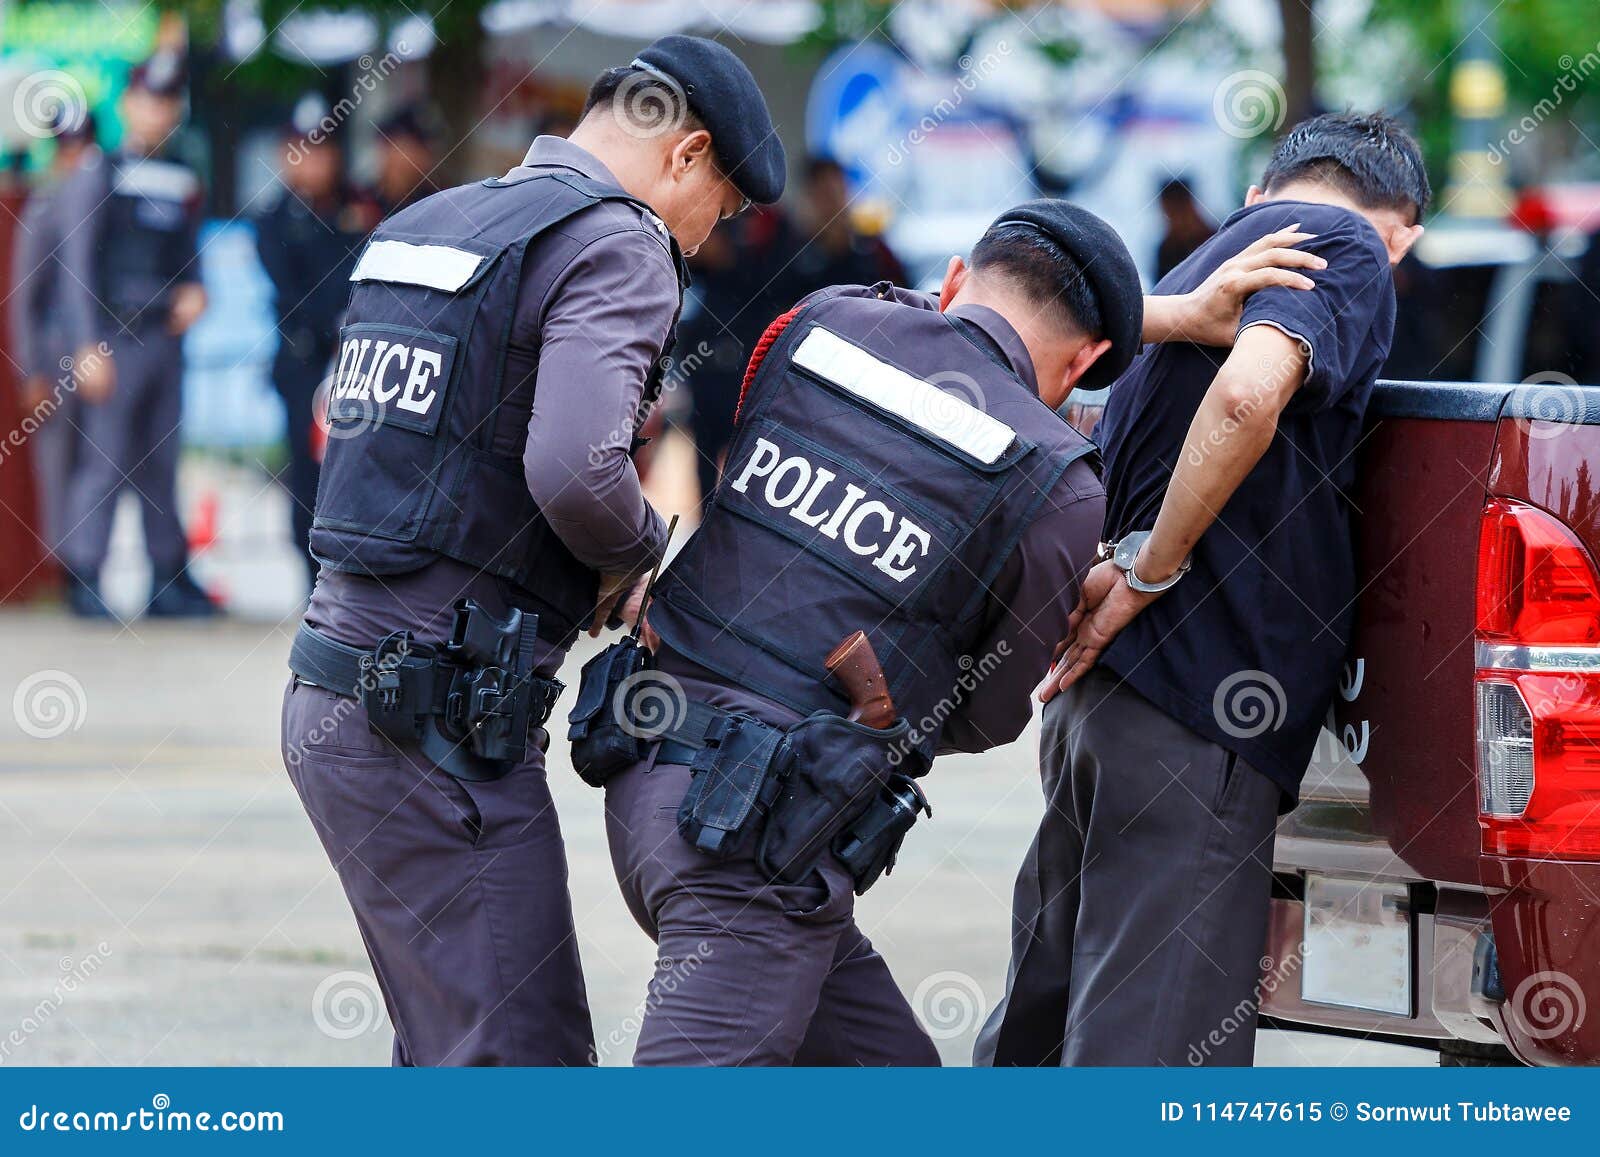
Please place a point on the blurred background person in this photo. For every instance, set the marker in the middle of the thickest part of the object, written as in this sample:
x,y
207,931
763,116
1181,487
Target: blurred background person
x,y
308,242
406,160
1188,226
39,343
740,284
834,251
132,277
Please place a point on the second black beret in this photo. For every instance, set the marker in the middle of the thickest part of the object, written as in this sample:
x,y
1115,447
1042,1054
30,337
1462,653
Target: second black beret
x,y
1109,269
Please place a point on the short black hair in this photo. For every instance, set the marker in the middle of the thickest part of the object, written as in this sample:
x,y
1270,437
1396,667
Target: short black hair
x,y
1045,272
651,96
1370,158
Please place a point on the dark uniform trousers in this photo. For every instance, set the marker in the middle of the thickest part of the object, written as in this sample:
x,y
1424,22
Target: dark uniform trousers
x,y
747,972
1140,912
131,440
459,889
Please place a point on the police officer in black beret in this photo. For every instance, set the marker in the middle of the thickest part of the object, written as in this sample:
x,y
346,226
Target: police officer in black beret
x,y
899,470
478,507
308,240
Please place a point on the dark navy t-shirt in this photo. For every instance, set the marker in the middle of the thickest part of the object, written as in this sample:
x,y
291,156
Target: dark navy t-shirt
x,y
1247,648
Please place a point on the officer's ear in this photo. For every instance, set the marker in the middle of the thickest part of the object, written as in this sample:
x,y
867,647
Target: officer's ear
x,y
1089,353
955,276
692,149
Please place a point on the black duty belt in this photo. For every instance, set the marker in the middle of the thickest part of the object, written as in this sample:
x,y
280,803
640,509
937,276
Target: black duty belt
x,y
471,704
700,726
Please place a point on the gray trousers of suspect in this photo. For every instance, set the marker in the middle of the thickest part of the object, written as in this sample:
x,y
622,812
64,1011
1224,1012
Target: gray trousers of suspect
x,y
459,889
747,972
130,440
1140,912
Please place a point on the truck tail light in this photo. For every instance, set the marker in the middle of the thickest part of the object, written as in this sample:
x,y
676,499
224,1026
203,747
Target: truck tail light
x,y
1538,687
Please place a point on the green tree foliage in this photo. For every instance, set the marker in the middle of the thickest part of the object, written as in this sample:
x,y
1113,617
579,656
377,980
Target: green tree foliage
x,y
1547,48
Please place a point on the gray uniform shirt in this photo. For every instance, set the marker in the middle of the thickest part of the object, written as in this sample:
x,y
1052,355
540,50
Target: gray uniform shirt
x,y
598,298
38,338
1029,603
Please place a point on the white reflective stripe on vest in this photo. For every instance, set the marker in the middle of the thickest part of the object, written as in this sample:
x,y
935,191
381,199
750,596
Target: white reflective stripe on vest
x,y
939,413
431,266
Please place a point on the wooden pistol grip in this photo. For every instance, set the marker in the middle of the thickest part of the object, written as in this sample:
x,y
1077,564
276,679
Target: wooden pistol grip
x,y
855,664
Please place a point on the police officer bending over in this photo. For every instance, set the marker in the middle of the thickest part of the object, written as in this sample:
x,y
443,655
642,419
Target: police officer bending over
x,y
477,508
897,470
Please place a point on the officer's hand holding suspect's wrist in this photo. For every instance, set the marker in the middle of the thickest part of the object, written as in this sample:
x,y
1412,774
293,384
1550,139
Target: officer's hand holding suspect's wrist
x,y
614,588
1210,315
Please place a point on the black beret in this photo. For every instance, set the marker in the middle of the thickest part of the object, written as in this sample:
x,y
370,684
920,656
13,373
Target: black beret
x,y
163,75
1108,268
721,91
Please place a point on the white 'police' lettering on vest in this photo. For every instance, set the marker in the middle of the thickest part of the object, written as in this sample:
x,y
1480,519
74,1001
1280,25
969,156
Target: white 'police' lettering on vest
x,y
388,375
837,509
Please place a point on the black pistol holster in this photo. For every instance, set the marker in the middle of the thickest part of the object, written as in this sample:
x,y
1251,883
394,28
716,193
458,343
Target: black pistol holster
x,y
470,706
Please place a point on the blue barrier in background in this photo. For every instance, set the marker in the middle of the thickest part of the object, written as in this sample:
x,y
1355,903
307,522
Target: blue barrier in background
x,y
228,399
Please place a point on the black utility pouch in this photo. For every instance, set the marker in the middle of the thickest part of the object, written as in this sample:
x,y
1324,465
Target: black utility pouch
x,y
839,769
603,743
869,846
736,776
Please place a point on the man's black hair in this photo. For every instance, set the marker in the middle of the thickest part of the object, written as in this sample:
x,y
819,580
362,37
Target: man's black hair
x,y
1370,158
1044,271
644,93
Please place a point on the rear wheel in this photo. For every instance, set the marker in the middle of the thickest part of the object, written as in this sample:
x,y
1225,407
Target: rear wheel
x,y
1466,1054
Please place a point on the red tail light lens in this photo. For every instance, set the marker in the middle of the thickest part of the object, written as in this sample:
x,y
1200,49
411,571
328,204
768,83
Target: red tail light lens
x,y
1535,581
1538,687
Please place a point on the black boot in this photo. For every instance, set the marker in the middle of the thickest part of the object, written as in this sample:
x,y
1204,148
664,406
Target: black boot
x,y
177,596
83,599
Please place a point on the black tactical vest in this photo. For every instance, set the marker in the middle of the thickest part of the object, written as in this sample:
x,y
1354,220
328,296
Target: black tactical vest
x,y
145,233
884,467
425,435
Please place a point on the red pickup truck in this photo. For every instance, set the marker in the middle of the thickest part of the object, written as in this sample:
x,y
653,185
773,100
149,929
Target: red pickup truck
x,y
1441,877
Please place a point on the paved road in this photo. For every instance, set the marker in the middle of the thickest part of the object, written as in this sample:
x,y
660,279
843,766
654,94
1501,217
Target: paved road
x,y
163,899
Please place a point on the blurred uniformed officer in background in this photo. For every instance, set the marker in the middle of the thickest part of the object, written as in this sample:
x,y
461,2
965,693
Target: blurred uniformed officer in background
x,y
308,243
479,507
133,282
40,346
405,161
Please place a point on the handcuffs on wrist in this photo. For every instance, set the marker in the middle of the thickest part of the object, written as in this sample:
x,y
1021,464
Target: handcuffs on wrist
x,y
1124,552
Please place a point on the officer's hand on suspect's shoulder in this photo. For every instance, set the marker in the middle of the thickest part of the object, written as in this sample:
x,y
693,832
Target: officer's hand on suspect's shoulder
x,y
188,303
95,373
1212,312
1106,605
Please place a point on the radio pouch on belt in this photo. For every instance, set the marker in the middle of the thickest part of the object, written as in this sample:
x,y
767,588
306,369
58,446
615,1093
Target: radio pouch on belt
x,y
839,769
869,846
603,740
736,776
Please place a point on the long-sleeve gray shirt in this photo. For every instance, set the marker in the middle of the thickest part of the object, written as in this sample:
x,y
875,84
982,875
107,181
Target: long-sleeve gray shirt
x,y
597,303
1029,603
38,329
